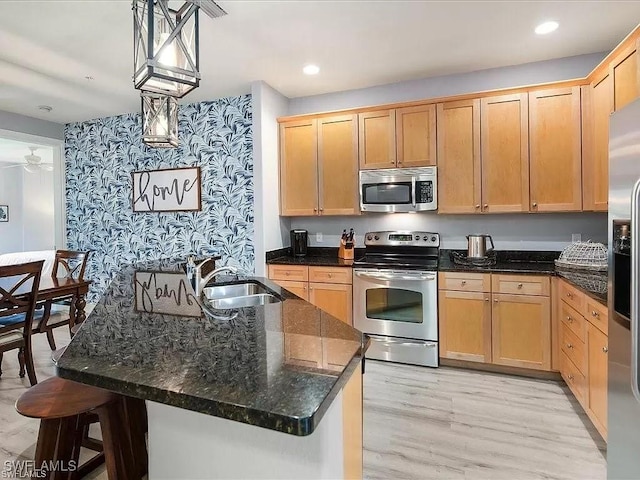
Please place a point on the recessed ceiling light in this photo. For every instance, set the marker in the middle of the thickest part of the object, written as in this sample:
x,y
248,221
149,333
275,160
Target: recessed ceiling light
x,y
311,69
45,108
546,27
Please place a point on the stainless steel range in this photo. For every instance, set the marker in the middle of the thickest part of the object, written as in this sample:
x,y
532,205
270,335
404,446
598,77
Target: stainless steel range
x,y
395,294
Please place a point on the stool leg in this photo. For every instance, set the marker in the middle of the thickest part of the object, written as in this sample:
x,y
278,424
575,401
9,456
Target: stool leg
x,y
47,441
28,360
65,450
136,421
51,340
117,450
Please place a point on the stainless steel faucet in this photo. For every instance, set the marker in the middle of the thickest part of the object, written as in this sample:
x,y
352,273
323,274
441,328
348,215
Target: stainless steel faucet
x,y
194,272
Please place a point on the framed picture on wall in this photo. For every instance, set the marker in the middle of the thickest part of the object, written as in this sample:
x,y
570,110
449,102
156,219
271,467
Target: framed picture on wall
x,y
167,190
4,213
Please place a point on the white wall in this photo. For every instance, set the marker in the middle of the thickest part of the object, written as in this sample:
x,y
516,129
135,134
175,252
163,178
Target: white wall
x,y
490,79
271,230
11,195
512,231
38,227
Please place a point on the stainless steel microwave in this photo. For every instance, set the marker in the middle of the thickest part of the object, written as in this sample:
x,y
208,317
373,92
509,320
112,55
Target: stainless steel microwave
x,y
399,190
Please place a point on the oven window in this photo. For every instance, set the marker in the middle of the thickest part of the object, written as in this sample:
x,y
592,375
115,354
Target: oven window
x,y
386,193
394,304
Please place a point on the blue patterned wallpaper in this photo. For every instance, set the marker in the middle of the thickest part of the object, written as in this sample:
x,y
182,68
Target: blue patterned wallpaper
x,y
100,156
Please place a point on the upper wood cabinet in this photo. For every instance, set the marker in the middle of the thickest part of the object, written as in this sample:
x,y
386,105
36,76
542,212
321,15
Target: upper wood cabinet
x,y
402,137
416,136
505,153
299,168
555,156
319,166
459,168
624,70
377,139
338,165
598,106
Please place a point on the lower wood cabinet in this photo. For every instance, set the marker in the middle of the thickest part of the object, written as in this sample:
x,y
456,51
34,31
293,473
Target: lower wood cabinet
x,y
583,326
465,326
598,348
333,298
331,291
521,331
500,328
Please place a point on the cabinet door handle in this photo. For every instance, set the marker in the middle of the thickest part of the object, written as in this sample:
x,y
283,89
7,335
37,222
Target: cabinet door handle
x,y
569,295
594,314
486,205
478,206
605,349
569,319
330,275
486,299
569,345
570,377
519,285
463,282
315,209
392,162
534,204
495,300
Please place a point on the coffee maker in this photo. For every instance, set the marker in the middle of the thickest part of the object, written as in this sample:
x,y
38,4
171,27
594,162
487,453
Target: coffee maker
x,y
299,242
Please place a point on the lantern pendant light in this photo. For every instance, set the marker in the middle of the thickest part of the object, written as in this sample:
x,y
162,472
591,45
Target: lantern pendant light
x,y
159,120
166,49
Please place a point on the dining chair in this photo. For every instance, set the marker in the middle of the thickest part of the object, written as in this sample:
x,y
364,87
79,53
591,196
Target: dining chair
x,y
67,264
18,295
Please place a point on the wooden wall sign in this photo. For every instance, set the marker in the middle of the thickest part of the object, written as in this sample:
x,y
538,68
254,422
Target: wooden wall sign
x,y
168,190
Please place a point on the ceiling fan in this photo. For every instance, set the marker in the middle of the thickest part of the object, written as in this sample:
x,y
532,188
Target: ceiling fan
x,y
33,163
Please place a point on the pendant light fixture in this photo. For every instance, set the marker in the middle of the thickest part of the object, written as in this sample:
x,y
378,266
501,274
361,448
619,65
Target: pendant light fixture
x,y
165,50
159,120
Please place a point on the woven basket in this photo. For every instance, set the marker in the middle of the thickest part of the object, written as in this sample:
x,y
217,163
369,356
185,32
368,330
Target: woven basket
x,y
588,255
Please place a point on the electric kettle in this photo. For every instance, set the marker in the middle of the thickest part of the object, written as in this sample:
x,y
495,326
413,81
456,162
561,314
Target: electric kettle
x,y
477,245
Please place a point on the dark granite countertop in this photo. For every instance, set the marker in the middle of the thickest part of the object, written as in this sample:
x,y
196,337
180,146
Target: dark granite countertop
x,y
148,338
507,261
317,256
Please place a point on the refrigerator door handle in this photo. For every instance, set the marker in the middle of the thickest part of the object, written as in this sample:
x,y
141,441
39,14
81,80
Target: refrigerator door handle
x,y
635,277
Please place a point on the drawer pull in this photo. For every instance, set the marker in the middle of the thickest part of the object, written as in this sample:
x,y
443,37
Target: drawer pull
x,y
286,273
569,319
486,299
569,345
331,275
495,300
570,377
519,285
569,295
477,206
594,313
605,349
463,282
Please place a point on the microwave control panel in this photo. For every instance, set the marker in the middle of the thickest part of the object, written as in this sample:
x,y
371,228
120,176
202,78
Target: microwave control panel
x,y
424,191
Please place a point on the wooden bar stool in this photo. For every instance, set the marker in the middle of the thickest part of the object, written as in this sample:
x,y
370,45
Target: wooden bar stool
x,y
65,410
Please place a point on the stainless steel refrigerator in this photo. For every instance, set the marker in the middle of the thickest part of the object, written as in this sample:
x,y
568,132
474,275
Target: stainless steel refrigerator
x,y
623,445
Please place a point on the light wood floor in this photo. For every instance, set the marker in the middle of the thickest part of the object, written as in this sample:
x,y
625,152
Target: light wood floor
x,y
419,423
449,423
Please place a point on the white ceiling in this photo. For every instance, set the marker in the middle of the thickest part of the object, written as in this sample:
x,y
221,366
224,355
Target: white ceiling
x,y
13,151
48,47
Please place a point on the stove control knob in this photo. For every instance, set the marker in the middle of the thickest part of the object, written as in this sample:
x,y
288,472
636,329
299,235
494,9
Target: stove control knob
x,y
417,237
377,237
369,237
433,239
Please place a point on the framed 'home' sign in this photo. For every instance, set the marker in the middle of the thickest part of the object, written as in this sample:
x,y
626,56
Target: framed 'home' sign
x,y
168,190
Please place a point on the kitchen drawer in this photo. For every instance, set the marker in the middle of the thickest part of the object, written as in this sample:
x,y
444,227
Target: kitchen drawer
x,y
573,320
575,379
572,296
521,284
330,275
573,347
465,281
597,314
298,273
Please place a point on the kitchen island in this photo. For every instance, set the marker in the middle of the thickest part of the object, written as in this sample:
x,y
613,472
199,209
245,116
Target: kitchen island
x,y
271,391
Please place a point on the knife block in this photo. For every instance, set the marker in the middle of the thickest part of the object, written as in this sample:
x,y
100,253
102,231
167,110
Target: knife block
x,y
344,252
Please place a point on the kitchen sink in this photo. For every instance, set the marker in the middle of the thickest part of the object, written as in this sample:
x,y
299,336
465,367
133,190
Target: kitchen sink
x,y
243,301
239,295
235,290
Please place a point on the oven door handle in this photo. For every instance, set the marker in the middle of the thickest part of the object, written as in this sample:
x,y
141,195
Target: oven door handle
x,y
413,191
407,276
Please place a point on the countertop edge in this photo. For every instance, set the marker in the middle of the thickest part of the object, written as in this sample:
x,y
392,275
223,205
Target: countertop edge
x,y
297,426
